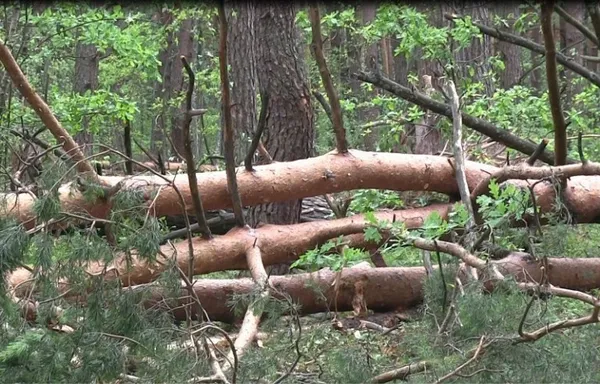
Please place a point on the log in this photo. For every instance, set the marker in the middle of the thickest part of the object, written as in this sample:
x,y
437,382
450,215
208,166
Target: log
x,y
311,177
385,289
279,244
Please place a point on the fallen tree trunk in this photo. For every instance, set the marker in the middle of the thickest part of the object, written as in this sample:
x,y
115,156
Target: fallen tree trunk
x,y
279,244
309,177
383,289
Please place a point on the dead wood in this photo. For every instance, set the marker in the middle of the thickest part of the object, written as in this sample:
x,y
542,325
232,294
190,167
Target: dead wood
x,y
383,289
43,111
279,244
311,177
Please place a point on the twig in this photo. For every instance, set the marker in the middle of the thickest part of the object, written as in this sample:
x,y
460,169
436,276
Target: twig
x,y
147,153
336,109
471,360
296,316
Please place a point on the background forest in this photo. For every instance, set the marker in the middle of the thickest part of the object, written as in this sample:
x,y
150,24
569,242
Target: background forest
x,y
416,195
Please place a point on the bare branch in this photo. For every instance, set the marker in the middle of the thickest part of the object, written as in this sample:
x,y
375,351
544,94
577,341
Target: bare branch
x,y
321,99
228,137
585,31
336,109
566,61
460,367
43,111
127,145
500,135
538,152
262,123
401,373
594,10
560,126
189,158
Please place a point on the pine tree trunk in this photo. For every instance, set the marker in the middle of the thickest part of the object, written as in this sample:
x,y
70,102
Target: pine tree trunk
x,y
511,54
86,79
282,74
241,44
572,44
370,62
184,46
474,59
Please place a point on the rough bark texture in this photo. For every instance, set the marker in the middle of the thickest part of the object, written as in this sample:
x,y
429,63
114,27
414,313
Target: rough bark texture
x,y
537,75
426,135
86,79
289,126
178,43
184,47
241,53
511,54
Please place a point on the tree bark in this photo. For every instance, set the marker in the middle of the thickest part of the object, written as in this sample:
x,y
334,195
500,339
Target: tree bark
x,y
475,57
87,65
315,176
281,73
383,289
241,42
369,60
183,47
511,54
572,44
178,44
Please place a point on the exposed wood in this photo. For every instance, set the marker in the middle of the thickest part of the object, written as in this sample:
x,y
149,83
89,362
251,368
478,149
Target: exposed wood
x,y
386,289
